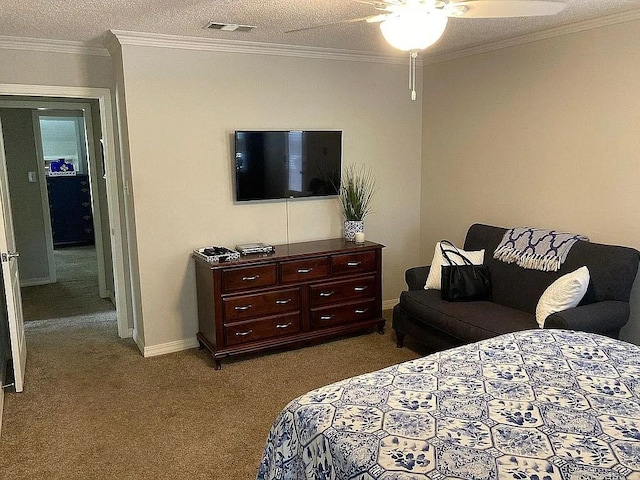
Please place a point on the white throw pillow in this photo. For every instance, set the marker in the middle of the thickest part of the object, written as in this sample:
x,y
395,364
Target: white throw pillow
x,y
434,279
566,292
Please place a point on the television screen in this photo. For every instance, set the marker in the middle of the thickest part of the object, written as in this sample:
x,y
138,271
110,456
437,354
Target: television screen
x,y
287,164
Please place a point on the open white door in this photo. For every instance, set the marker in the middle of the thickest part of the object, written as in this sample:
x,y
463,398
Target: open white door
x,y
10,277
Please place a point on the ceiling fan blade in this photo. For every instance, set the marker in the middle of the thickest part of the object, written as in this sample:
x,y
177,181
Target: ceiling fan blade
x,y
385,6
342,22
503,8
373,3
377,18
381,4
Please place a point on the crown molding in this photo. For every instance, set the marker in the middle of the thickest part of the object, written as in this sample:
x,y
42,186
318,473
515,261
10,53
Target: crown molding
x,y
112,44
567,29
51,46
237,46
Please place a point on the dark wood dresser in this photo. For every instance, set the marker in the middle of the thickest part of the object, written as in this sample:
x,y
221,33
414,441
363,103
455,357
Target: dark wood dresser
x,y
300,293
71,214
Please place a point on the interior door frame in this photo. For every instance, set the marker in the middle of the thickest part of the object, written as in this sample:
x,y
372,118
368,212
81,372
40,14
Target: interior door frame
x,y
112,170
44,197
60,109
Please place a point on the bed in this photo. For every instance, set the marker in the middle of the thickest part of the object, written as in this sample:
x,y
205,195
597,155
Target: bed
x,y
537,404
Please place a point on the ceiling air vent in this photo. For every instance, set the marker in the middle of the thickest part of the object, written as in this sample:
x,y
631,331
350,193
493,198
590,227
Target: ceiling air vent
x,y
230,27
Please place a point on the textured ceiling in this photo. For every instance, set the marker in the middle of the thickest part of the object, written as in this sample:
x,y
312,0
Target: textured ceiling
x,y
88,21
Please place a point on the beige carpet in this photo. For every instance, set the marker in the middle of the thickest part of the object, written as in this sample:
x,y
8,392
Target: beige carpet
x,y
75,292
94,408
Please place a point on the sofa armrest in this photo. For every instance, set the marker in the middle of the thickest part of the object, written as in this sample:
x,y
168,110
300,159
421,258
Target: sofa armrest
x,y
416,277
605,318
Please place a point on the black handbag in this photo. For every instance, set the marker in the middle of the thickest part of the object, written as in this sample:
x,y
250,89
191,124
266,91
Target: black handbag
x,y
466,282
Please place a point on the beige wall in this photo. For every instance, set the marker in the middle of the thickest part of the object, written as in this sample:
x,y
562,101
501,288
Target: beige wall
x,y
182,108
544,134
27,67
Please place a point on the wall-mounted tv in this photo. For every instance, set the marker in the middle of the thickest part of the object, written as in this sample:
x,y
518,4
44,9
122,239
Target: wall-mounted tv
x,y
287,164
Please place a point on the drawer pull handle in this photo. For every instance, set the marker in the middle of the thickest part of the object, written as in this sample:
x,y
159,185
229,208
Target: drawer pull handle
x,y
251,278
283,302
363,310
360,289
244,334
283,325
242,307
305,270
326,317
326,294
353,264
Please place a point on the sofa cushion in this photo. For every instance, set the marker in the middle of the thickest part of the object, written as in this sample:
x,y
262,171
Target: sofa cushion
x,y
466,321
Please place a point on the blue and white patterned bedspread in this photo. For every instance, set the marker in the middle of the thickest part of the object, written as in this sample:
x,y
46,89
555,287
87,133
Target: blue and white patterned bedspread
x,y
538,404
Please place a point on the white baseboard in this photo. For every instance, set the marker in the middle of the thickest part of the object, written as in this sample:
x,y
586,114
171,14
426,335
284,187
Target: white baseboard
x,y
138,340
107,295
32,282
170,347
389,304
129,334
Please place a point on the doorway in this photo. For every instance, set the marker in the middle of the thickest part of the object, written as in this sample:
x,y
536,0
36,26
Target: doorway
x,y
64,153
53,163
118,217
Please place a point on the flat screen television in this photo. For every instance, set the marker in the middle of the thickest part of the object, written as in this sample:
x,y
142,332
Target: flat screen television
x,y
287,164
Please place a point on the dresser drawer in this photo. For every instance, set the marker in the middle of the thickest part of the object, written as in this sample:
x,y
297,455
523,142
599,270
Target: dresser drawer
x,y
261,304
243,278
350,313
349,263
339,292
261,329
303,270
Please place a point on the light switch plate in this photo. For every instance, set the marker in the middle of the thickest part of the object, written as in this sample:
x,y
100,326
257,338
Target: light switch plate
x,y
33,178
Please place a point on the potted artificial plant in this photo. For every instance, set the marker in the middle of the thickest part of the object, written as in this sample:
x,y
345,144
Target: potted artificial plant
x,y
356,191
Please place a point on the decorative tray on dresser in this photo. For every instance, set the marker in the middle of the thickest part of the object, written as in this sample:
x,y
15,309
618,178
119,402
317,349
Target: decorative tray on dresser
x,y
302,292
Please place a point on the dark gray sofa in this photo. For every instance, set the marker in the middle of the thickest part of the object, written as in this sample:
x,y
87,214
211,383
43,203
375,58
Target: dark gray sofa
x,y
516,291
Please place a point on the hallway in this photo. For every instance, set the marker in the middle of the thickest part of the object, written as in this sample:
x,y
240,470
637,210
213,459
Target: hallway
x,y
75,292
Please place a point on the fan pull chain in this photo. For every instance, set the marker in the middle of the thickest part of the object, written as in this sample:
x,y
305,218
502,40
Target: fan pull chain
x,y
412,74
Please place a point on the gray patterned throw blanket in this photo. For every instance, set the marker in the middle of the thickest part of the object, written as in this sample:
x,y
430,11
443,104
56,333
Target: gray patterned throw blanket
x,y
536,248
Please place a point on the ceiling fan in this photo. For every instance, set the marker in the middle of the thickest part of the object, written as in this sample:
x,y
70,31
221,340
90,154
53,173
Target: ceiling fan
x,y
413,25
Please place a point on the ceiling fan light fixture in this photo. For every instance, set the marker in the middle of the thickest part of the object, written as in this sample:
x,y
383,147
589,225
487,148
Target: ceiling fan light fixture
x,y
412,29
